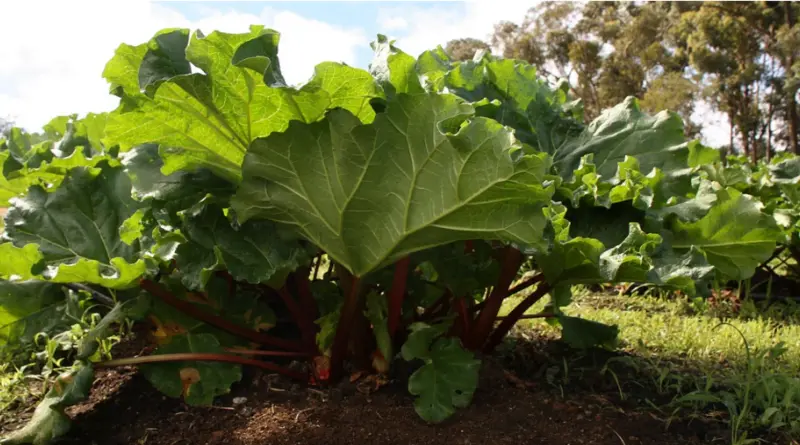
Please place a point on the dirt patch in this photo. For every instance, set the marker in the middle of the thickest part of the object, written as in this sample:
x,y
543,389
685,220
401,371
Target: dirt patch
x,y
125,409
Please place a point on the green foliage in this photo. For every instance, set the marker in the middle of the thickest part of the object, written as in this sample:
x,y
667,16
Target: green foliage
x,y
422,186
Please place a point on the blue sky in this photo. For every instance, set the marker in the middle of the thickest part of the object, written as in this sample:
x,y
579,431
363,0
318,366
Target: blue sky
x,y
364,15
55,67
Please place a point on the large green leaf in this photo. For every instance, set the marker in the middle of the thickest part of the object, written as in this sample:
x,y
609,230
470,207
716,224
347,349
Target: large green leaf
x,y
47,174
446,381
177,191
199,382
611,160
370,194
196,381
735,235
624,130
207,120
49,421
77,227
23,151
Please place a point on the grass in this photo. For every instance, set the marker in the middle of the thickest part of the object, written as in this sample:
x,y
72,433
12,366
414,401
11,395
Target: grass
x,y
741,367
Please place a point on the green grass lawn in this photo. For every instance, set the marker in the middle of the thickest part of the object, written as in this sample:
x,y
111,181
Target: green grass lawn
x,y
679,349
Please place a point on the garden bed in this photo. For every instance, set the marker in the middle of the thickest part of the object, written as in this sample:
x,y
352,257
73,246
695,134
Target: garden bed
x,y
125,409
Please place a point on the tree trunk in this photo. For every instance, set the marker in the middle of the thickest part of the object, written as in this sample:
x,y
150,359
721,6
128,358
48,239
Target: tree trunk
x,y
744,125
792,107
768,153
730,145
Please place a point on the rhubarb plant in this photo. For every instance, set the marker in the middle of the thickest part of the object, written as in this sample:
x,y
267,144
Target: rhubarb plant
x,y
365,217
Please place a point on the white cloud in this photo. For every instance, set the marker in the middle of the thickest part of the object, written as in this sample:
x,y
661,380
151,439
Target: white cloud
x,y
388,21
53,53
428,27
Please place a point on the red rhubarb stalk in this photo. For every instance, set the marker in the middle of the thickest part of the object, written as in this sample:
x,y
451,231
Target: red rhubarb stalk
x,y
511,261
397,293
514,316
202,357
352,305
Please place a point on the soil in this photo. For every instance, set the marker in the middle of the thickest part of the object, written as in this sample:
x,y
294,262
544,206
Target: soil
x,y
265,409
513,405
125,409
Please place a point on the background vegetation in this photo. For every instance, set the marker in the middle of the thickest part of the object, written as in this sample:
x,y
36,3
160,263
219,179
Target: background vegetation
x,y
739,57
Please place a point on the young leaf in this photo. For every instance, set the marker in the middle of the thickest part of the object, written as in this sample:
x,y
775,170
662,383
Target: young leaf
x,y
445,382
418,344
394,69
134,308
377,313
370,194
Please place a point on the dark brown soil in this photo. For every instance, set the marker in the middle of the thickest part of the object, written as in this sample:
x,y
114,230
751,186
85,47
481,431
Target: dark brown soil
x,y
125,409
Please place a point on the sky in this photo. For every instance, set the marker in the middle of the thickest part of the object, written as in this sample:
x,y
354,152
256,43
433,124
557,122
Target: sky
x,y
53,52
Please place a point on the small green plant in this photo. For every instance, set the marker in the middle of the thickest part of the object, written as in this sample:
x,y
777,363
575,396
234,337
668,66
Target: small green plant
x,y
759,399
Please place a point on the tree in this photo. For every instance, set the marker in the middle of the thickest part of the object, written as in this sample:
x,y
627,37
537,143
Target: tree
x,y
465,49
740,57
744,53
5,126
608,51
